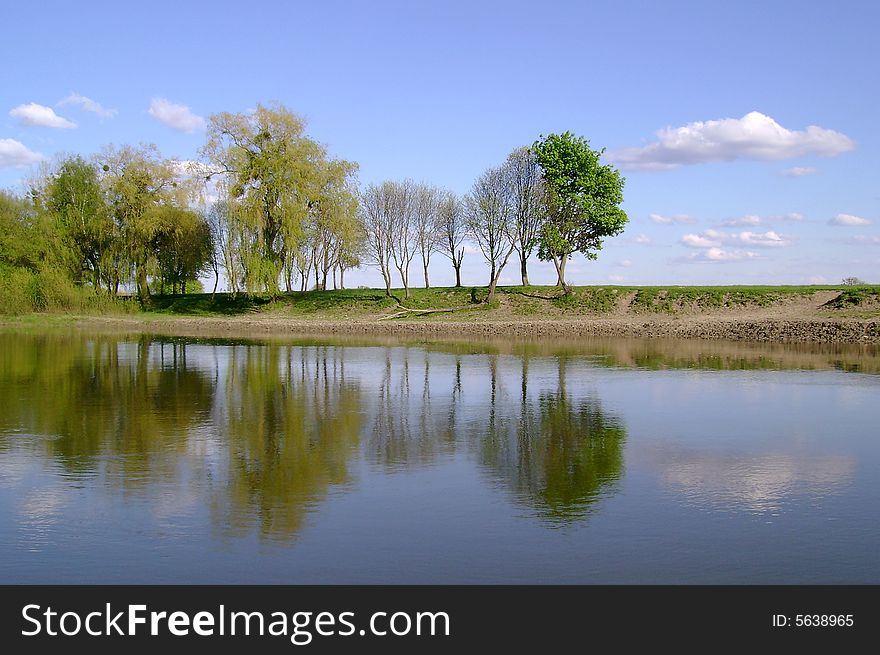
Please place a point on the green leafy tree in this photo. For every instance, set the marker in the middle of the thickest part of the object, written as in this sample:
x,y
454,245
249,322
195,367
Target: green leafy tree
x,y
583,200
271,176
141,186
184,247
75,200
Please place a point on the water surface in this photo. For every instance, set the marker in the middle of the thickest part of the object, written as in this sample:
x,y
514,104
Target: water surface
x,y
130,459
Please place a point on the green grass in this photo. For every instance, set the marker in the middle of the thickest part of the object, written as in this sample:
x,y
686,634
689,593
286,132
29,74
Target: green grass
x,y
855,297
530,301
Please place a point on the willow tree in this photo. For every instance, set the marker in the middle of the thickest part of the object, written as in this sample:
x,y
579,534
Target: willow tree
x,y
583,200
75,200
271,176
140,186
184,246
336,229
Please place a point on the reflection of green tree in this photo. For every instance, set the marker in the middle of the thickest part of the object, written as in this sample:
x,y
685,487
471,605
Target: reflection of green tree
x,y
559,454
293,423
97,400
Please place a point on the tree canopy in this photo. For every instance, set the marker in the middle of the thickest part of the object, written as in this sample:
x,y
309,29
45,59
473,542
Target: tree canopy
x,y
583,199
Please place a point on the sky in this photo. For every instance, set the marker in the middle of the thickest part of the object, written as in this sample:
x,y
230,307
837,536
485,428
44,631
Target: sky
x,y
747,132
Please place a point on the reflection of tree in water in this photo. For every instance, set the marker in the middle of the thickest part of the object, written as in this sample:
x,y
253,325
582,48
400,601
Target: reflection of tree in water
x,y
412,426
293,423
128,407
558,454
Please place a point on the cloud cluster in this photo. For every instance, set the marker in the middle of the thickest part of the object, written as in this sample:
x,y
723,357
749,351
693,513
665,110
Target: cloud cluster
x,y
177,117
659,219
720,246
848,220
717,238
754,136
15,154
721,255
34,115
753,220
86,104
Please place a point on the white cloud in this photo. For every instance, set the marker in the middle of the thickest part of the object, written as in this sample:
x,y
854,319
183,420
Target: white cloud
x,y
87,104
626,263
742,220
799,171
848,220
34,115
716,238
659,219
817,279
642,240
15,153
178,117
616,278
721,255
754,136
752,220
191,167
699,241
769,239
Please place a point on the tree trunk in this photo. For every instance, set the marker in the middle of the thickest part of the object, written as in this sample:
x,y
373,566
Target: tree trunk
x,y
560,262
142,289
457,274
341,278
425,266
523,268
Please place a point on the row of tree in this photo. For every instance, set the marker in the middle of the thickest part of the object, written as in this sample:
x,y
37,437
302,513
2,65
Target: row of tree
x,y
269,209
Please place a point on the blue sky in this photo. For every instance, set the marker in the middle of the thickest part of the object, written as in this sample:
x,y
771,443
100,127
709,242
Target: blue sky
x,y
747,131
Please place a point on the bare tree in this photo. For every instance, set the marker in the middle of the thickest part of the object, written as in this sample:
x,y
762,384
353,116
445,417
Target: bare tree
x,y
453,230
378,218
491,221
427,225
404,232
524,176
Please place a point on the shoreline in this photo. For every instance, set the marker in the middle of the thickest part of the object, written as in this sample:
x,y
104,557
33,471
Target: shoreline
x,y
752,329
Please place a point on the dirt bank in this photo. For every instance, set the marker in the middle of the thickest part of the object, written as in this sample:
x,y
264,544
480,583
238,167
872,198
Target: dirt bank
x,y
705,327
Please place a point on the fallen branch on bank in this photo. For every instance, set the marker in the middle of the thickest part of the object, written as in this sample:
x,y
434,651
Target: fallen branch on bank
x,y
408,311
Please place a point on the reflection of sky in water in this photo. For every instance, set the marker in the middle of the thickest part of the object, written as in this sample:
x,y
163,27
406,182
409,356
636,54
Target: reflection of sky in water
x,y
759,484
202,462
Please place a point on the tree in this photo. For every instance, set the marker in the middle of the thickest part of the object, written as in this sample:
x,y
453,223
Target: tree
x,y
335,230
184,246
404,232
524,177
377,218
453,230
583,200
491,222
852,281
74,198
140,185
427,225
271,173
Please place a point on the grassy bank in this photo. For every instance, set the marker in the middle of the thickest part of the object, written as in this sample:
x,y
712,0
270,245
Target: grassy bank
x,y
533,302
